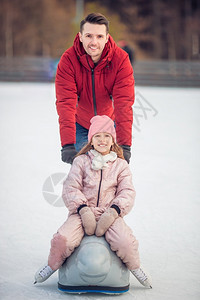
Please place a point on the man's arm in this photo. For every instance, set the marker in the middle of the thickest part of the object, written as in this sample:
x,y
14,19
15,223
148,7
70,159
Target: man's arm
x,y
123,95
66,99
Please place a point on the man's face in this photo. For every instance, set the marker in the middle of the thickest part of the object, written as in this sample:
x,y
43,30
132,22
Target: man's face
x,y
94,38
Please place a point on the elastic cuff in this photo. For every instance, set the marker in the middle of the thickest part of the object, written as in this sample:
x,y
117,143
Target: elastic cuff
x,y
81,206
116,208
67,145
126,147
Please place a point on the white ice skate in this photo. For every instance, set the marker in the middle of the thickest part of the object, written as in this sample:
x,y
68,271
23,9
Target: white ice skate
x,y
142,277
43,274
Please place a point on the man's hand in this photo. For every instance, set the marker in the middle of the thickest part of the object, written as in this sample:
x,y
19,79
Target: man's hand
x,y
126,152
68,152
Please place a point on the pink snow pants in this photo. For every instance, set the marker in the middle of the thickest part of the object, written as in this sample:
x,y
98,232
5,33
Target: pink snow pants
x,y
69,236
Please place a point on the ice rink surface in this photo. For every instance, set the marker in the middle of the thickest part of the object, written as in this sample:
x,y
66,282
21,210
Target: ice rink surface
x,y
165,165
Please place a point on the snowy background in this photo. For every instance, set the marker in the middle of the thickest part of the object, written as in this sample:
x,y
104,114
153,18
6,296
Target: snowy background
x,y
165,164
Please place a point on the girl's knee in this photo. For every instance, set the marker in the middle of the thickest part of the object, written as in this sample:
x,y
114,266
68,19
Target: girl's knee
x,y
121,240
58,241
63,245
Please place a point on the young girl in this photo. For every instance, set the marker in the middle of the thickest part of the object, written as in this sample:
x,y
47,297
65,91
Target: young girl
x,y
98,193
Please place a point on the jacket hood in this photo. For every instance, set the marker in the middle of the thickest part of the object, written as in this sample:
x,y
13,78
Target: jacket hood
x,y
86,60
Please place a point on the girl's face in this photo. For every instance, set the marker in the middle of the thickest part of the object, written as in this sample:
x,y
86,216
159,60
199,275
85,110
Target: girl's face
x,y
102,142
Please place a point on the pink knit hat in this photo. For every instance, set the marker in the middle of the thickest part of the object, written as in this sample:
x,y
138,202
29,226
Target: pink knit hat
x,y
101,124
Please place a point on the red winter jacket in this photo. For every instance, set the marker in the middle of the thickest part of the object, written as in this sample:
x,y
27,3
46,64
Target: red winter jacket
x,y
84,90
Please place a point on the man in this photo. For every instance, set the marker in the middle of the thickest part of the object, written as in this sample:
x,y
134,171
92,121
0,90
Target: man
x,y
94,77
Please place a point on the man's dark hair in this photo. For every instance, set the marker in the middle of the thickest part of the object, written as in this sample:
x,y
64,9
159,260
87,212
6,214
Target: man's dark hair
x,y
95,18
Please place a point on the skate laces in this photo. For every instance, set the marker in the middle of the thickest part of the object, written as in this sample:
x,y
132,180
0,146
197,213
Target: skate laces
x,y
45,271
140,274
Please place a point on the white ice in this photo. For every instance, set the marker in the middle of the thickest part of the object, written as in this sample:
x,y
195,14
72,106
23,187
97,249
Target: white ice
x,y
165,164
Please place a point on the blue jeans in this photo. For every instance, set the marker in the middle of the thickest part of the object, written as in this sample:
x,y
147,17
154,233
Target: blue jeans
x,y
81,137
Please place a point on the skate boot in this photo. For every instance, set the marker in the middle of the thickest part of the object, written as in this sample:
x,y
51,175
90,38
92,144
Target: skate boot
x,y
142,277
43,274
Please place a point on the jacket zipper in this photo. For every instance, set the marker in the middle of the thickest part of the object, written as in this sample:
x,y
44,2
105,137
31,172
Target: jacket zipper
x,y
99,188
93,93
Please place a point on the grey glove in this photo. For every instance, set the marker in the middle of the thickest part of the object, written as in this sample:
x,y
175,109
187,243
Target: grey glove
x,y
68,152
126,152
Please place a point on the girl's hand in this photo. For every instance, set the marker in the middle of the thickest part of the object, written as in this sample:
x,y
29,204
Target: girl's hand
x,y
88,220
105,221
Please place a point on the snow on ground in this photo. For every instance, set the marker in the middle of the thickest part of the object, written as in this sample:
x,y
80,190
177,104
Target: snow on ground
x,y
165,165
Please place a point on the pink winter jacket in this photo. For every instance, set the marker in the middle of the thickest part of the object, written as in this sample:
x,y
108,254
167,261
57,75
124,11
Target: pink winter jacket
x,y
99,189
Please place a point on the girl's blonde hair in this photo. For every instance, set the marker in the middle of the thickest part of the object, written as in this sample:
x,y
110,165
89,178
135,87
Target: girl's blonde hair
x,y
115,148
